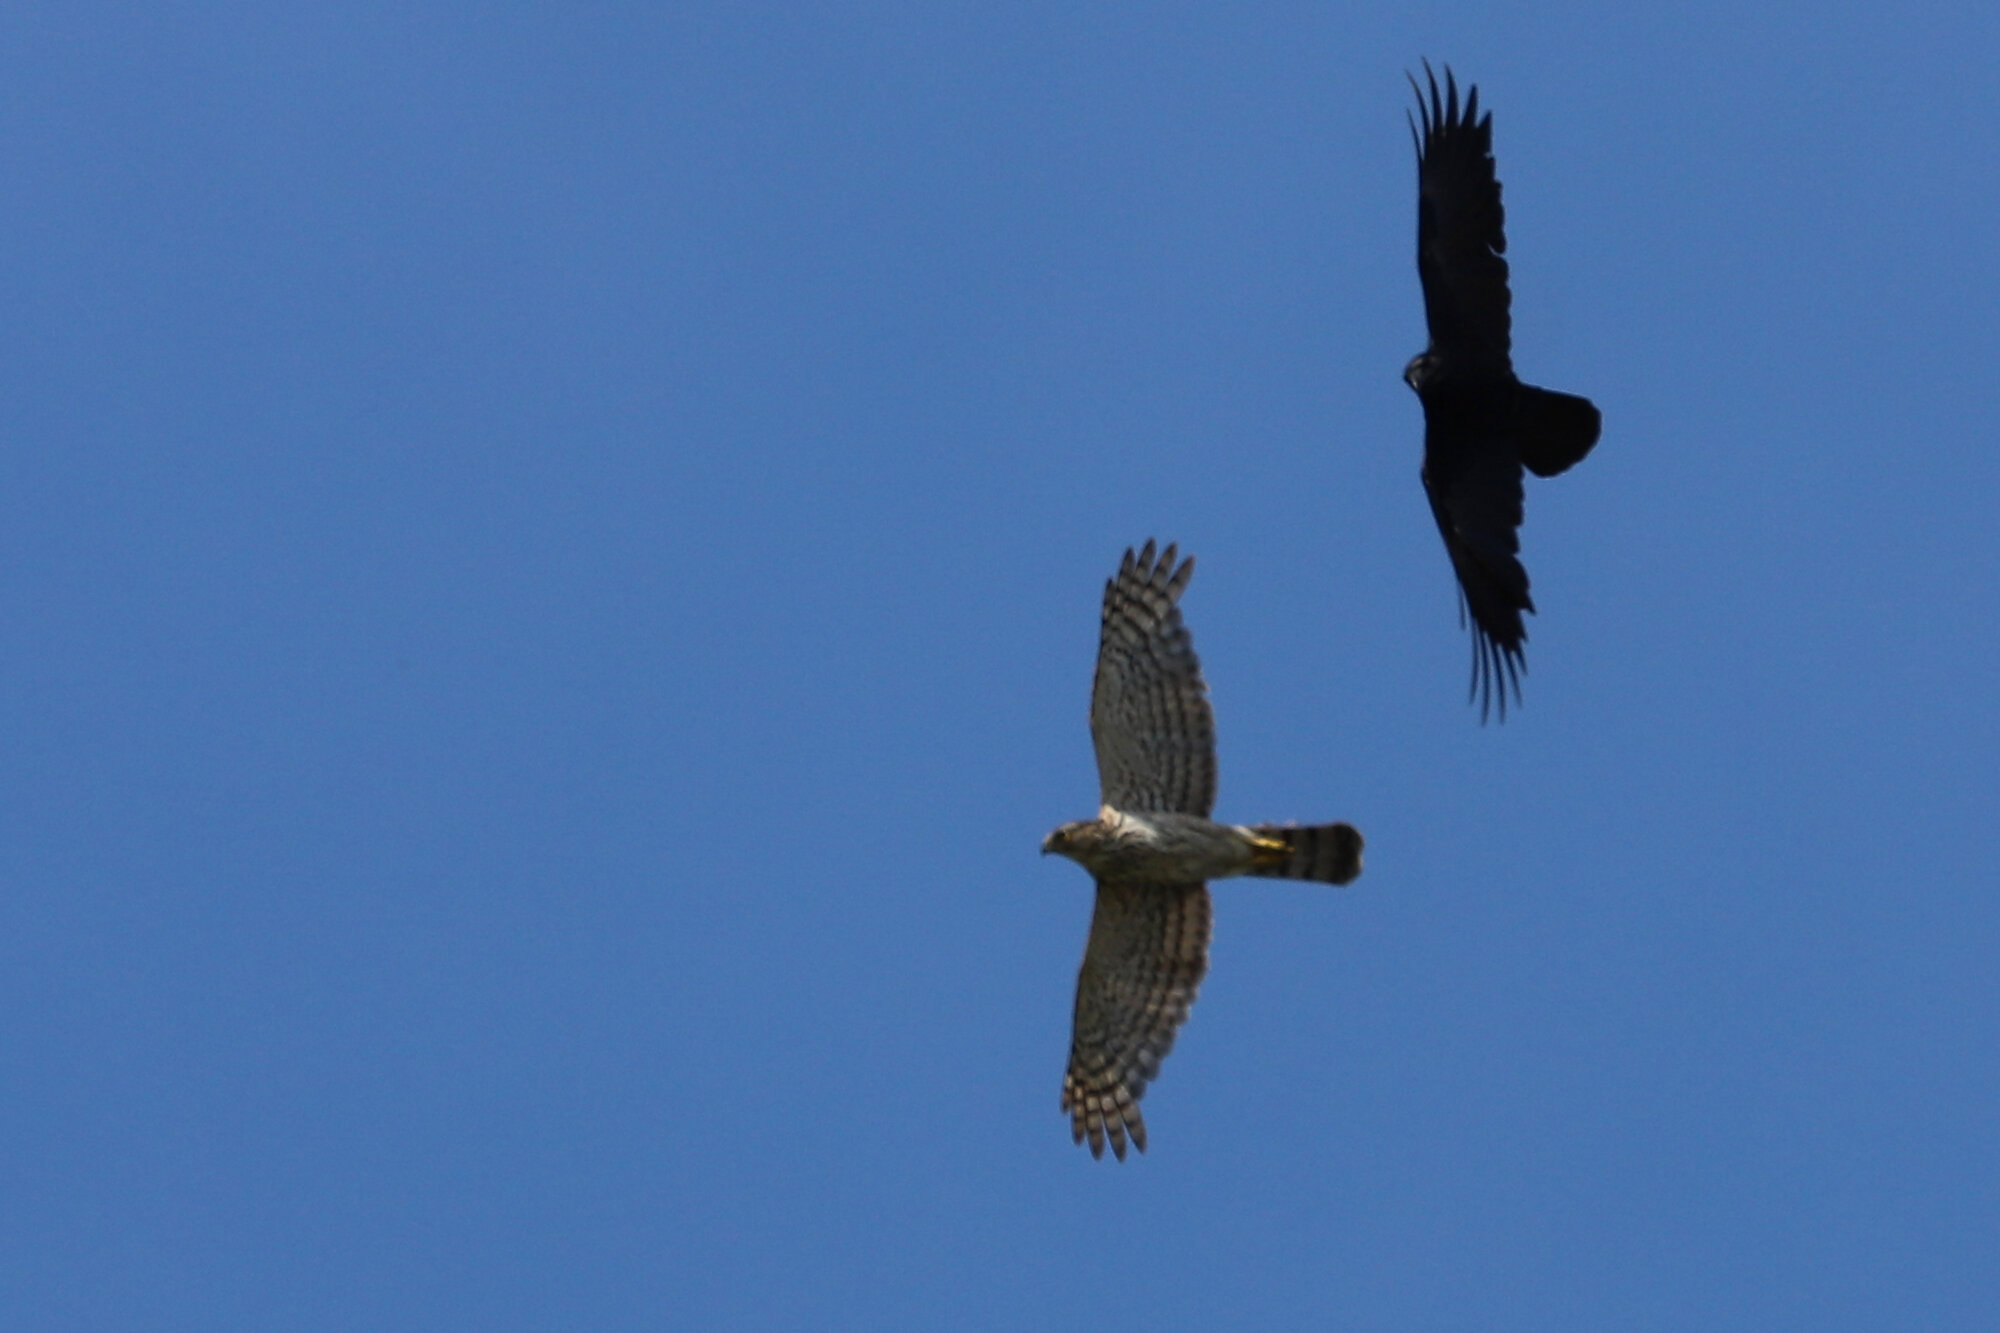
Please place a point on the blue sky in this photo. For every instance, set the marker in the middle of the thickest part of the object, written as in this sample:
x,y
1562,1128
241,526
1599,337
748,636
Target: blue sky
x,y
549,563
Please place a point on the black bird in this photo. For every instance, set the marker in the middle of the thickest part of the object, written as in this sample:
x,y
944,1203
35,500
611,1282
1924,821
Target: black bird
x,y
1480,423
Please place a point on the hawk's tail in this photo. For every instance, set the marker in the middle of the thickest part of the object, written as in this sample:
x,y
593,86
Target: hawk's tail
x,y
1328,853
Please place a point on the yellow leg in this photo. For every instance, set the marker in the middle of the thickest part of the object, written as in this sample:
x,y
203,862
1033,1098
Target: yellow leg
x,y
1269,852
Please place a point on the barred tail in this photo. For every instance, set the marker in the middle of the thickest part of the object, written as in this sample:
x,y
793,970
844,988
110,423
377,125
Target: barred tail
x,y
1328,853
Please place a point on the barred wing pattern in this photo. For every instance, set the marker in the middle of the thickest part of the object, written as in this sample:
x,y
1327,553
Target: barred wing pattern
x,y
1147,954
1149,713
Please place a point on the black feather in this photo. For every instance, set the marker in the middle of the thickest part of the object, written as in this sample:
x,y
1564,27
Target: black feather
x,y
1481,424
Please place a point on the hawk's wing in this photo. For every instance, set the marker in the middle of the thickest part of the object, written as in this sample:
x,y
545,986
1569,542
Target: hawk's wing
x,y
1147,954
1149,713
1460,239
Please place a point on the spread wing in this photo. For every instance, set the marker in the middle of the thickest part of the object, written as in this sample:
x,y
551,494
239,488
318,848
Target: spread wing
x,y
1476,500
1460,239
1147,954
1149,713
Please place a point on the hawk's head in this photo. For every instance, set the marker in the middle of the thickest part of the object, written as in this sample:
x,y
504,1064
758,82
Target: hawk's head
x,y
1066,839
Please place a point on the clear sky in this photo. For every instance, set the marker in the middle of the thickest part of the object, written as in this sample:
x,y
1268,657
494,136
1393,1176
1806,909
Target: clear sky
x,y
549,566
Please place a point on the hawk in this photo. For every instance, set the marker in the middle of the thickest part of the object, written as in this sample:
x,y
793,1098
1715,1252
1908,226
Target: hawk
x,y
1152,849
1480,423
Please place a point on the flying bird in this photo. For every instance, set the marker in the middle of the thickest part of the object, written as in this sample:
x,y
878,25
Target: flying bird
x,y
1152,849
1481,424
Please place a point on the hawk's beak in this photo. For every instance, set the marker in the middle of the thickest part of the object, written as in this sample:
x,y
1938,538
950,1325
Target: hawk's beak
x,y
1048,844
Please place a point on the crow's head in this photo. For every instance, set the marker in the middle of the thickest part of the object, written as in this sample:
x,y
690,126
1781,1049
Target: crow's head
x,y
1421,371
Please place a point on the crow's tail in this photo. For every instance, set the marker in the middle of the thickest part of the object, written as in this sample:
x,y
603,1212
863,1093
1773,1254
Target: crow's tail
x,y
1555,429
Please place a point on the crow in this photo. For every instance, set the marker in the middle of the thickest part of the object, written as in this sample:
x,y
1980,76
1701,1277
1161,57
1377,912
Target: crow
x,y
1481,424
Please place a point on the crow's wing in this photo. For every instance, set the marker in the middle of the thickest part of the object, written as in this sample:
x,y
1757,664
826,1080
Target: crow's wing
x,y
1460,236
1476,500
